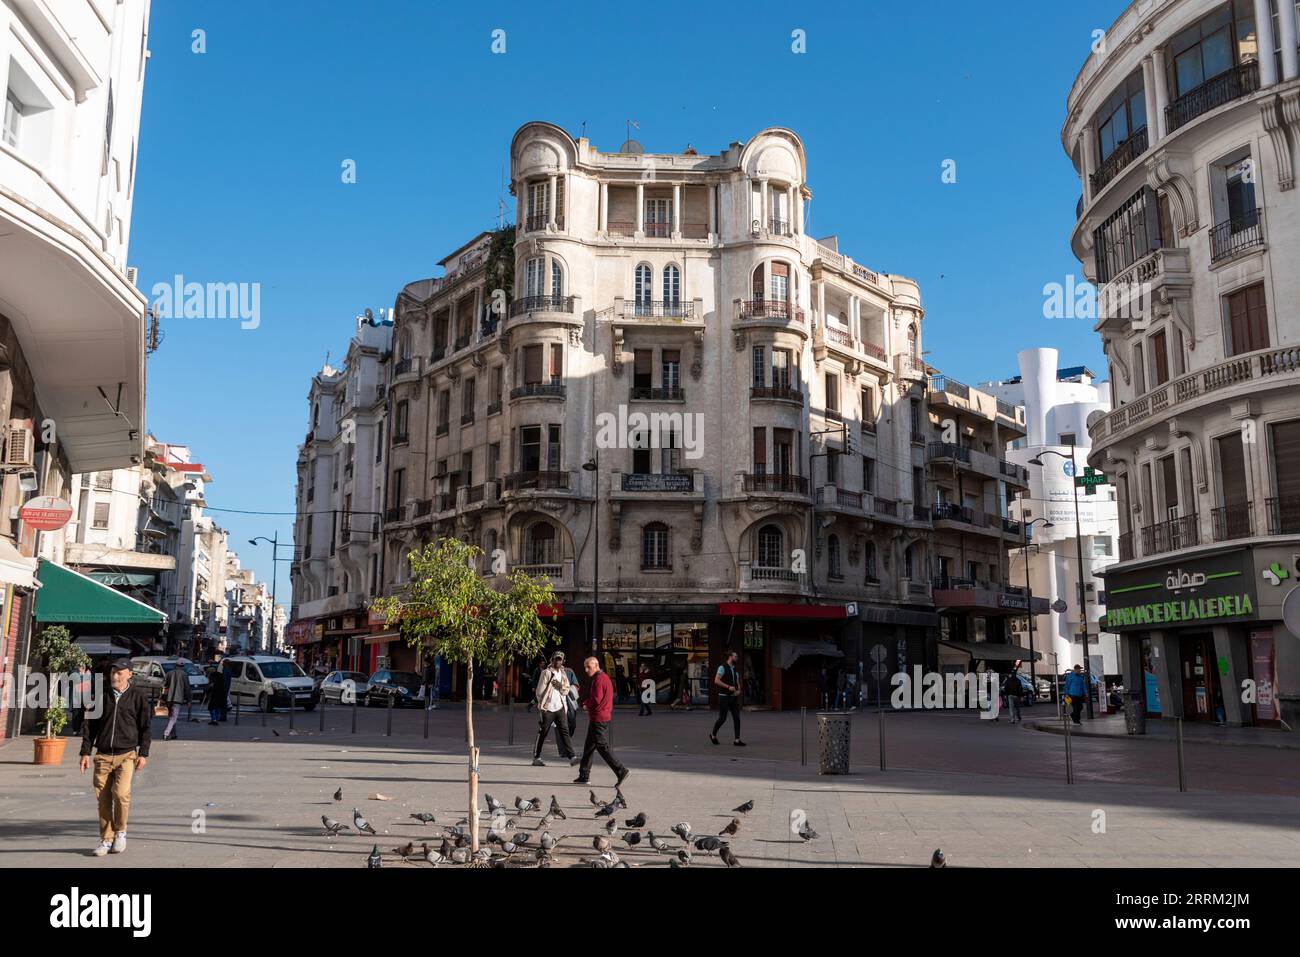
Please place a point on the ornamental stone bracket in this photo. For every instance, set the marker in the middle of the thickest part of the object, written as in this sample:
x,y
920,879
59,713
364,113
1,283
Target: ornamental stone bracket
x,y
503,342
575,338
1173,173
1274,113
697,529
616,360
697,361
615,525
738,339
1116,357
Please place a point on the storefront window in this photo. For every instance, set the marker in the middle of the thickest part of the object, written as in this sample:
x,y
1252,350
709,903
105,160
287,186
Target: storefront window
x,y
675,654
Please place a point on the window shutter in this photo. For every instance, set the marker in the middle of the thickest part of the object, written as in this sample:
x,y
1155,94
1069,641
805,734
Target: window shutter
x,y
532,364
760,450
1286,462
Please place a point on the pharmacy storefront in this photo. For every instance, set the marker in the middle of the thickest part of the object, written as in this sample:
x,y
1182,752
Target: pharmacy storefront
x,y
1202,635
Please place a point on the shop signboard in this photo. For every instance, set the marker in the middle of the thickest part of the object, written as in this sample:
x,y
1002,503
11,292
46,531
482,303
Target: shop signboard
x,y
1216,590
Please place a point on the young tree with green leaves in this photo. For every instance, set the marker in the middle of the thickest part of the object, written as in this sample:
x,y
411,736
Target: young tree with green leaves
x,y
62,657
455,612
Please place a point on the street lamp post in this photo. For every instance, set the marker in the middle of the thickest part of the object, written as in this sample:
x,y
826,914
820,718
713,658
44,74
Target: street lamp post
x,y
274,542
593,466
1078,545
1029,593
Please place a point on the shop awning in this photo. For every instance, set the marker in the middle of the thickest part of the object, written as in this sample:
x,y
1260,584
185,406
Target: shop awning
x,y
790,649
15,568
993,651
123,579
101,645
68,597
383,638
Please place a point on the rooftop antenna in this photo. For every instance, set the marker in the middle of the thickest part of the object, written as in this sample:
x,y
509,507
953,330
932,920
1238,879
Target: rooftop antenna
x,y
630,145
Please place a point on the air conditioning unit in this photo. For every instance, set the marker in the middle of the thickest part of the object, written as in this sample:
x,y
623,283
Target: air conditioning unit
x,y
18,448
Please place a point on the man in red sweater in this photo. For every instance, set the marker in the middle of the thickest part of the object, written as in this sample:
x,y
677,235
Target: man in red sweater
x,y
599,702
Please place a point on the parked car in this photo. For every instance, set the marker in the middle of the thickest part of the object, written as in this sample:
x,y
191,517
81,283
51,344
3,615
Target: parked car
x,y
150,672
268,682
403,687
333,684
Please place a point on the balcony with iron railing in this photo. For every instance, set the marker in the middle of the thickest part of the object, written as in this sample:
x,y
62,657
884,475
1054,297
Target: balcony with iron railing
x,y
660,394
1233,84
885,506
980,463
537,480
393,513
774,483
657,309
531,304
1236,236
778,227
539,390
776,393
909,367
1119,159
758,310
422,508
1171,536
494,408
1231,522
1283,515
833,498
407,366
462,342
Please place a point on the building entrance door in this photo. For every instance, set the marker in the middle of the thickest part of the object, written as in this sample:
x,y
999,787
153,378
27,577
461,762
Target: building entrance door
x,y
1200,685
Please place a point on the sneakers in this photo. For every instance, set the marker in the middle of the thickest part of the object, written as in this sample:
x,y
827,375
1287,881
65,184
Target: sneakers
x,y
574,759
119,842
103,849
713,738
581,780
538,763
738,743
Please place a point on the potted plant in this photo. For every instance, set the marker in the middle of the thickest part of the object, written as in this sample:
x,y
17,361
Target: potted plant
x,y
62,657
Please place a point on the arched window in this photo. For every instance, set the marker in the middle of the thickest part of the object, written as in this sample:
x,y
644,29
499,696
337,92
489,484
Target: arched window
x,y
654,547
833,557
909,563
869,563
672,290
913,348
757,284
539,544
644,288
780,283
489,550
771,547
557,279
534,277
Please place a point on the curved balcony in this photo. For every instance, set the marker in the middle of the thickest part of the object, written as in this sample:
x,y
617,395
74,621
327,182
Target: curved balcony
x,y
1277,368
538,390
540,480
776,393
769,312
530,307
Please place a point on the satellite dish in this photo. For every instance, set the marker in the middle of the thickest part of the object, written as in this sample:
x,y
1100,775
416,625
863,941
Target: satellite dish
x,y
631,146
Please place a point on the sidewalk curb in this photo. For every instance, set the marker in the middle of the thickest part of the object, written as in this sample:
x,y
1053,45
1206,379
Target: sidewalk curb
x,y
1053,728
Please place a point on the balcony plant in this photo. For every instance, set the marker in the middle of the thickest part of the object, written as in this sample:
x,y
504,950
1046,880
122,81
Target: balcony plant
x,y
62,656
451,610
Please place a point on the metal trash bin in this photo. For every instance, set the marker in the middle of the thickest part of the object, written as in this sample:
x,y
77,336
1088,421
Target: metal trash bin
x,y
833,742
1135,712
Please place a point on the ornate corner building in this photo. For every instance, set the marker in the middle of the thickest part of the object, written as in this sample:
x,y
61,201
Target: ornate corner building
x,y
1184,126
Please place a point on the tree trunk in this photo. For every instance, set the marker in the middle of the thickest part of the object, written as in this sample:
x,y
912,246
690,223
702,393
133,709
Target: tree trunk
x,y
473,755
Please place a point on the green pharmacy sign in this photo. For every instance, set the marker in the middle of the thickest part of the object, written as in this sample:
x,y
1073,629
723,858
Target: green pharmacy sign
x,y
1180,612
1214,590
1090,479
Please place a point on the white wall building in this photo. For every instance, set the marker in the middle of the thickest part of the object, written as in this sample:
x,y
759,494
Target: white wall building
x,y
1057,405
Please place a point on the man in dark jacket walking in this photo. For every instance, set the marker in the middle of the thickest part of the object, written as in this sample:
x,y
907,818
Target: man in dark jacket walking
x,y
599,702
119,739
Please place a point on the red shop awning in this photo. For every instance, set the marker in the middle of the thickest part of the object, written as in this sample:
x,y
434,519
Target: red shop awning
x,y
763,609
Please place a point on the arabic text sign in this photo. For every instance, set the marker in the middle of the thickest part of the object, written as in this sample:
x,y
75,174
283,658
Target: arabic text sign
x,y
1218,589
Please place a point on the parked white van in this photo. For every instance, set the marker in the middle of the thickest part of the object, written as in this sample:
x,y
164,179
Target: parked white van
x,y
268,682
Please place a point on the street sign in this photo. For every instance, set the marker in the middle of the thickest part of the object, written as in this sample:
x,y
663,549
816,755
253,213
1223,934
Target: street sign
x,y
1059,606
1090,479
45,513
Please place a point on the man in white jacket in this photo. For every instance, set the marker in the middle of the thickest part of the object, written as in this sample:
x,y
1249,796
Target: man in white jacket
x,y
552,696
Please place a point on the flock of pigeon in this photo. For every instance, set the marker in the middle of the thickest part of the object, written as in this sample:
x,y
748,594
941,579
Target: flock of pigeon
x,y
508,845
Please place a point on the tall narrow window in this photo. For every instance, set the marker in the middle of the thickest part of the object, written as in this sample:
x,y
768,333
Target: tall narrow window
x,y
532,365
534,277
644,289
557,363
771,547
530,448
1160,357
781,368
539,212
553,448
868,474
670,362
1139,369
672,290
557,280
642,360
783,451
832,395
654,547
780,282
1232,519
1247,316
760,451
759,367
1284,518
494,461
658,217
833,557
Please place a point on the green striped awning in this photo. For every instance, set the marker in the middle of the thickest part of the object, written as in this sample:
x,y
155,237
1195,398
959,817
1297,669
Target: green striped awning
x,y
69,597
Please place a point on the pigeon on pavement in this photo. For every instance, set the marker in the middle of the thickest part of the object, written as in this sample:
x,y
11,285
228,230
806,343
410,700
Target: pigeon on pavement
x,y
424,817
405,850
683,858
431,856
937,859
332,827
683,830
731,828
744,808
548,841
556,810
338,795
658,843
361,823
374,860
493,805
708,844
632,838
728,858
600,842
595,801
806,832
638,821
523,807
612,827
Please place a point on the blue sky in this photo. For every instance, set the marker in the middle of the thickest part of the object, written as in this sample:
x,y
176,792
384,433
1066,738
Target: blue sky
x,y
241,152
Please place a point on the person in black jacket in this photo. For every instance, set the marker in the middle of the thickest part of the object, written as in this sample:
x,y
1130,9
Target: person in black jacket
x,y
215,696
119,738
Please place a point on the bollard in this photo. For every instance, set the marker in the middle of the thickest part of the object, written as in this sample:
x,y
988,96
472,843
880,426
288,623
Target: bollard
x,y
236,711
510,734
321,704
1182,767
388,732
262,708
354,713
803,737
426,720
880,720
291,696
1069,753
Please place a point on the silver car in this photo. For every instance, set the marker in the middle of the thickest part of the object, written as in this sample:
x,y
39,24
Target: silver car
x,y
336,688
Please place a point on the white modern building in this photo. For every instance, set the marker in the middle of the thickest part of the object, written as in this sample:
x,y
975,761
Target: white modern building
x,y
1184,126
1058,403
